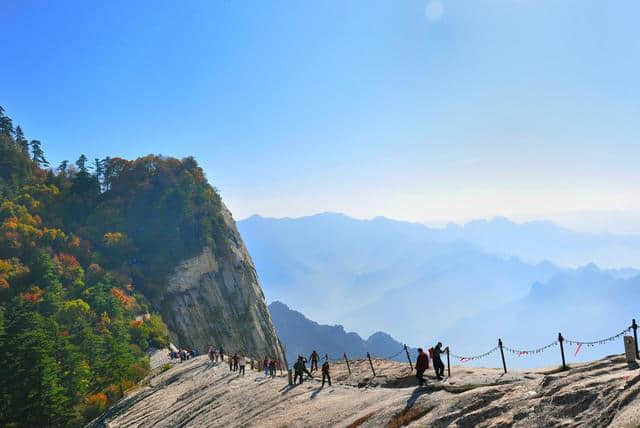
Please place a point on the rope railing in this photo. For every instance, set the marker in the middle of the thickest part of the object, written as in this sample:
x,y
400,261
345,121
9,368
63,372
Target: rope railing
x,y
601,341
475,357
520,352
463,358
501,347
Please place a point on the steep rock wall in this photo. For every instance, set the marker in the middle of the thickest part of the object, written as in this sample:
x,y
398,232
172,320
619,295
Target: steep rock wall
x,y
215,298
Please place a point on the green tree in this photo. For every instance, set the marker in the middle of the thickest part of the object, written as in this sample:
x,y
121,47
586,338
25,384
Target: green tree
x,y
37,154
62,168
21,141
81,163
6,124
30,374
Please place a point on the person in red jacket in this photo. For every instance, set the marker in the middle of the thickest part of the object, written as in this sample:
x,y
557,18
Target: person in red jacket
x,y
422,364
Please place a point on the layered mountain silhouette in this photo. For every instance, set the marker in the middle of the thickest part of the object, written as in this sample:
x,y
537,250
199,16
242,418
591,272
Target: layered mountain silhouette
x,y
301,336
418,283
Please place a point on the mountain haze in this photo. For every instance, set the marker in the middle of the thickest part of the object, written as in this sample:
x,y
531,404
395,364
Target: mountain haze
x,y
300,336
458,284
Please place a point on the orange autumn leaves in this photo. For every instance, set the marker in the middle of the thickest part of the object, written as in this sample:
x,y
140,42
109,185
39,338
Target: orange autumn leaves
x,y
10,269
21,231
128,302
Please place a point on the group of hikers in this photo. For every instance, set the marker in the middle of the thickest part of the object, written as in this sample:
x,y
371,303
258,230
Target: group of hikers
x,y
300,368
237,363
183,354
422,363
270,366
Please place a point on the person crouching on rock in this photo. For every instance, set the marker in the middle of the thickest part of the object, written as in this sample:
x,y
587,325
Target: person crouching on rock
x,y
300,368
325,372
241,363
422,364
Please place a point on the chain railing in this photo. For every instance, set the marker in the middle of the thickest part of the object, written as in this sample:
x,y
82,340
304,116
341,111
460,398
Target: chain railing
x,y
501,347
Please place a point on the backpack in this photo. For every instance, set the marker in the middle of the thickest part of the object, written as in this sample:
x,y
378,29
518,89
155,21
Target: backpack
x,y
431,353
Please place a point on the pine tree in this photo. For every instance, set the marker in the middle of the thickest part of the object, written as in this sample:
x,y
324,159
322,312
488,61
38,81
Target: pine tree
x,y
99,171
38,154
108,171
22,142
30,374
62,168
6,124
81,163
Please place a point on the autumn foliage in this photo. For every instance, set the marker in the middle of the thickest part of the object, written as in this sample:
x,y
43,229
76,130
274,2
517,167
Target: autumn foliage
x,y
72,267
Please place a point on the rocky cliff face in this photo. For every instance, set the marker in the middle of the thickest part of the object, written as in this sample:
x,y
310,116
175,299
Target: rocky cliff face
x,y
215,298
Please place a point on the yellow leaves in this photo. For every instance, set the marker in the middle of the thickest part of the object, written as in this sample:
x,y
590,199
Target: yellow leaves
x,y
73,310
53,235
74,242
10,269
113,238
19,229
10,223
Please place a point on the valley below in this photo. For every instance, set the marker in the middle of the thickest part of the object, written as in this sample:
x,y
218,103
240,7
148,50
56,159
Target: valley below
x,y
197,393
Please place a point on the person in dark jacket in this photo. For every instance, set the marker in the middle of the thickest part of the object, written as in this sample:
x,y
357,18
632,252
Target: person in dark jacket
x,y
314,361
325,372
235,362
422,364
272,368
298,370
438,365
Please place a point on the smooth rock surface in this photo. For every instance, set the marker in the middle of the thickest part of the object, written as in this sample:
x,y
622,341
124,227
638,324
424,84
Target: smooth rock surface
x,y
197,394
215,298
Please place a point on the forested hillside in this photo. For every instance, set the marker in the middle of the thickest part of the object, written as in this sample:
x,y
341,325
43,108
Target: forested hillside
x,y
83,246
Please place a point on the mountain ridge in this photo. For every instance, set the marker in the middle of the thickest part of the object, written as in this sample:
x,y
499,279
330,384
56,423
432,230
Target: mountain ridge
x,y
301,336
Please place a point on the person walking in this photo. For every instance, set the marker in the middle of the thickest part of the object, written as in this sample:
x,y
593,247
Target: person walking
x,y
325,372
265,363
314,361
221,354
241,363
438,365
235,362
422,364
272,368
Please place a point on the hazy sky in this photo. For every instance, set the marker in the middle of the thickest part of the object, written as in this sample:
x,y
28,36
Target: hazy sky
x,y
415,110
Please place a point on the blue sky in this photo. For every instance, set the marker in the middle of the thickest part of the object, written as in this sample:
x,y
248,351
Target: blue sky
x,y
418,110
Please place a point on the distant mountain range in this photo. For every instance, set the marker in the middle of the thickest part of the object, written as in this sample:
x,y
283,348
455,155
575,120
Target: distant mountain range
x,y
586,304
417,283
301,336
536,241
